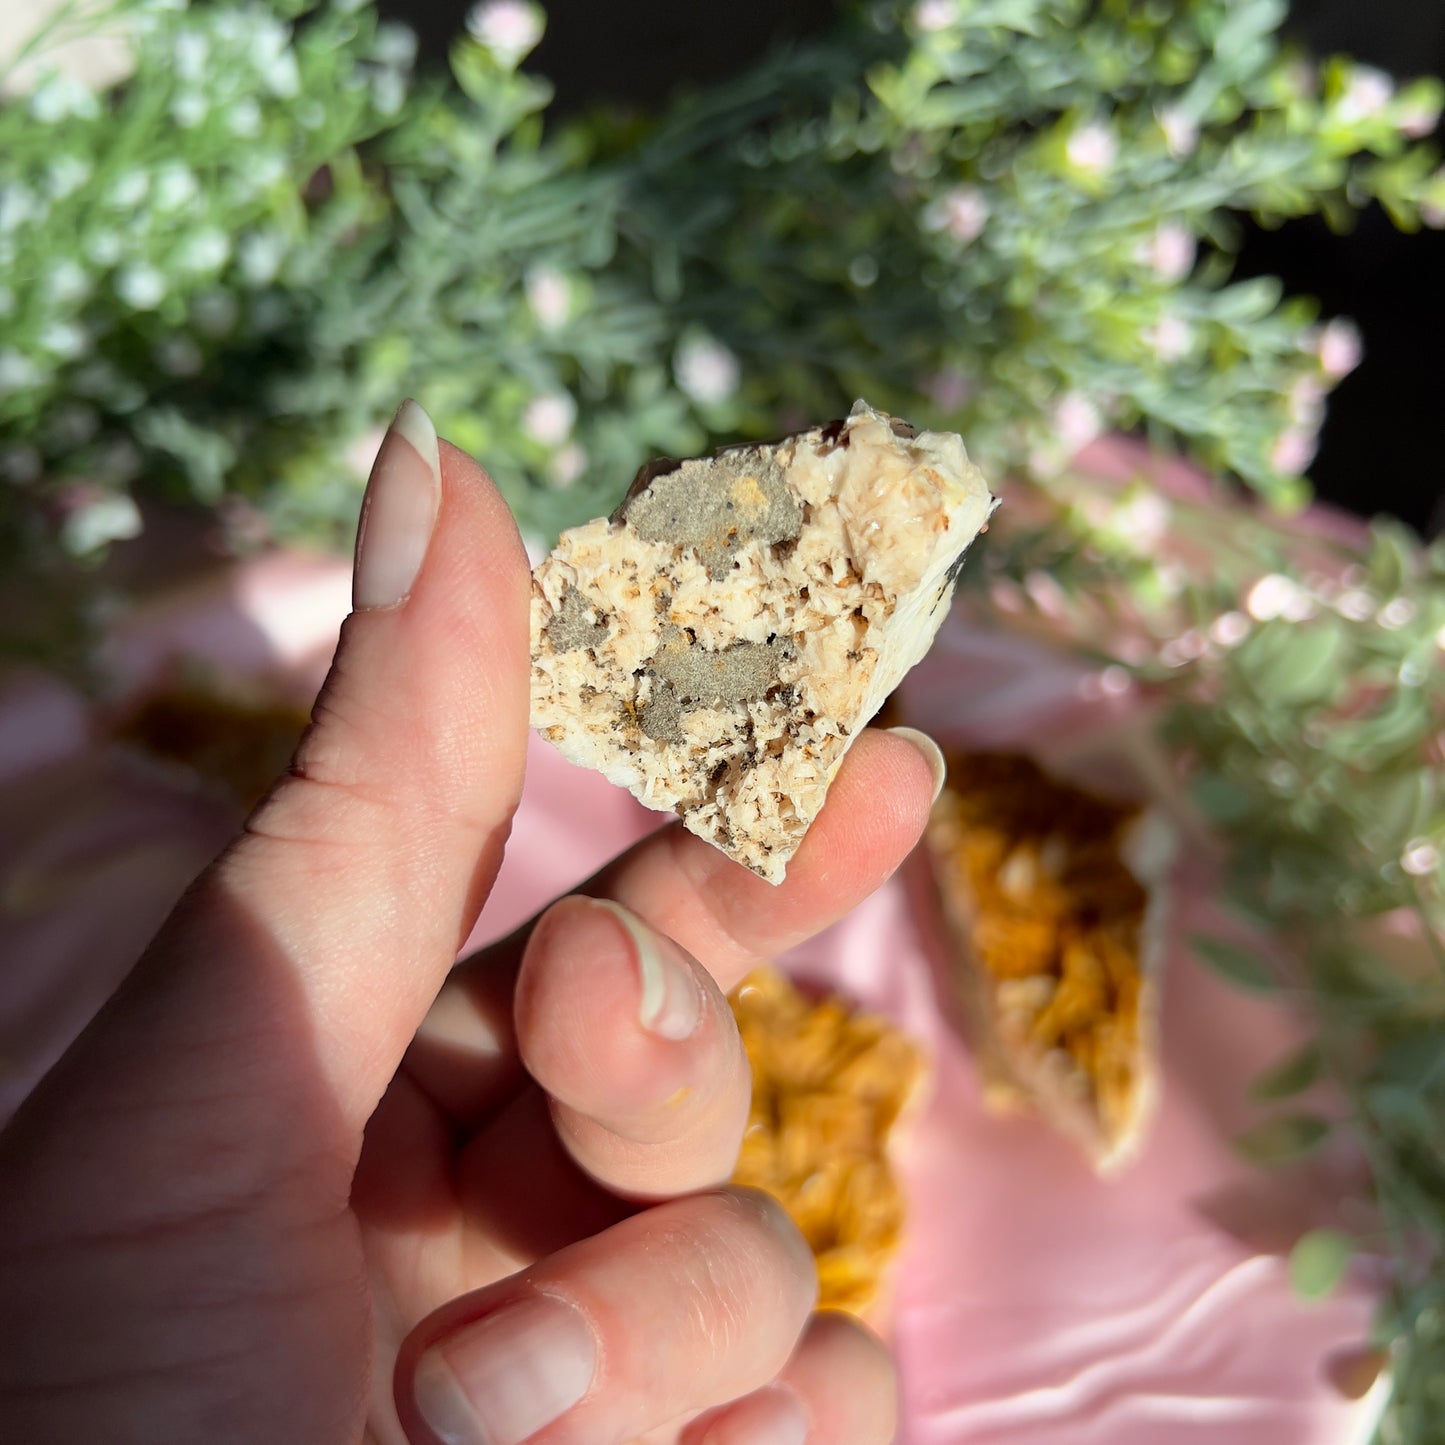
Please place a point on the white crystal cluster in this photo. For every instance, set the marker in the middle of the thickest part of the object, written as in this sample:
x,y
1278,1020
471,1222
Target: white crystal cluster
x,y
716,645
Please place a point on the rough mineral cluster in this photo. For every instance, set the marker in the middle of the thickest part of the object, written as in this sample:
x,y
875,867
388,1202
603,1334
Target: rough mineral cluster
x,y
718,642
1052,901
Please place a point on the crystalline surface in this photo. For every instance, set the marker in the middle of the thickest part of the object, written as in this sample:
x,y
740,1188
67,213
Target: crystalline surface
x,y
716,644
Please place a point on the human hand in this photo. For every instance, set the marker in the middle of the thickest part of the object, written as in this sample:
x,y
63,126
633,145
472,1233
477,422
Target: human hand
x,y
303,1180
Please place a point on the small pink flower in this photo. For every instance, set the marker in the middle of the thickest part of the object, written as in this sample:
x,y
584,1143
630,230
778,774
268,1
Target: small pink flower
x,y
1339,348
1396,613
1417,119
1142,520
1170,338
1367,95
1076,422
962,212
549,418
1272,596
1293,450
1092,148
568,464
1355,604
1046,594
1169,252
706,370
1229,629
1115,681
1181,131
510,29
932,15
1432,207
549,294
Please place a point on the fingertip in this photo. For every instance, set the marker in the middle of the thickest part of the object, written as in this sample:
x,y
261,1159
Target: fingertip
x,y
774,1415
846,1376
839,1388
931,753
494,532
635,1047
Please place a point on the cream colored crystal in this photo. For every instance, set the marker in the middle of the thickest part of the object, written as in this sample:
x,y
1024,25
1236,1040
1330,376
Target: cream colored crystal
x,y
717,643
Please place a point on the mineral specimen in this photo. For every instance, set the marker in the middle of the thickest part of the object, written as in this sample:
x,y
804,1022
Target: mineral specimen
x,y
717,643
1051,900
832,1089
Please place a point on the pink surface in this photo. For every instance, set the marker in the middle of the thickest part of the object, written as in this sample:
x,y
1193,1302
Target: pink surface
x,y
1035,1304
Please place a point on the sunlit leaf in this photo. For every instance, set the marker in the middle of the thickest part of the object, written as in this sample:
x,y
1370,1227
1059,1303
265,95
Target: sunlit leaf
x,y
1293,665
1393,557
1317,1263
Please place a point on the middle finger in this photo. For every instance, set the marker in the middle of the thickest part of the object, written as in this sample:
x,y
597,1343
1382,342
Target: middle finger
x,y
637,1048
465,1055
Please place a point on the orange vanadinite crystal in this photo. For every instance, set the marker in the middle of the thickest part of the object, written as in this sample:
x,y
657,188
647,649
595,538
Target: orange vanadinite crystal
x,y
828,1088
1055,919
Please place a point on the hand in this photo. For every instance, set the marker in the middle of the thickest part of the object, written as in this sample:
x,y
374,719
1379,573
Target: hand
x,y
304,1180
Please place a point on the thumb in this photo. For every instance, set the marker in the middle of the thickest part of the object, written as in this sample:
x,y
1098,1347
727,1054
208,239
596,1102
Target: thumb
x,y
367,865
327,928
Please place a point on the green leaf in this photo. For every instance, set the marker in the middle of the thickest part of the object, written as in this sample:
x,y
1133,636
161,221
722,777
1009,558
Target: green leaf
x,y
1415,1061
1284,1139
1220,799
1300,665
1318,1261
1247,300
1394,556
1293,1075
1240,967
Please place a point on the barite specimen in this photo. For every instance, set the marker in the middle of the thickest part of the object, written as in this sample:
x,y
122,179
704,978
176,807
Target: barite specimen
x,y
718,642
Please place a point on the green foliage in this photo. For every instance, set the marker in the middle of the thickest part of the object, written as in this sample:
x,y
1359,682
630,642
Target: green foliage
x,y
1005,215
1318,1261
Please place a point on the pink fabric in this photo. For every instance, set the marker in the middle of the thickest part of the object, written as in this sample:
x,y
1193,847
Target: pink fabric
x,y
1035,1304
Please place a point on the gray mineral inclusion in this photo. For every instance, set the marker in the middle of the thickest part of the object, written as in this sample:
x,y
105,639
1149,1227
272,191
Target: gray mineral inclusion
x,y
686,676
715,505
569,627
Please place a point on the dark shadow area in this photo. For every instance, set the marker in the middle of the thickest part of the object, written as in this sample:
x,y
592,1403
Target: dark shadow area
x,y
635,54
174,1260
1380,448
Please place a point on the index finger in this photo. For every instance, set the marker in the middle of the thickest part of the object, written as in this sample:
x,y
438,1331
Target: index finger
x,y
465,1055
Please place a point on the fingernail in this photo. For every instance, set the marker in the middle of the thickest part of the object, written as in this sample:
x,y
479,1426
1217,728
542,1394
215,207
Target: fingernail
x,y
671,1004
930,750
499,1381
398,512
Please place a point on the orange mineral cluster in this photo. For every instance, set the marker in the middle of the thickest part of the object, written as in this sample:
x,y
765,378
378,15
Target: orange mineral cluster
x,y
1048,925
829,1088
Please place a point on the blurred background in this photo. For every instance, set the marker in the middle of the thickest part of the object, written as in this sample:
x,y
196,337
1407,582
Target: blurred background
x,y
1380,448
